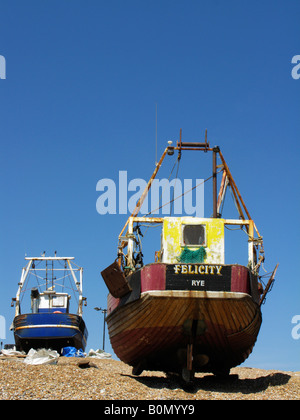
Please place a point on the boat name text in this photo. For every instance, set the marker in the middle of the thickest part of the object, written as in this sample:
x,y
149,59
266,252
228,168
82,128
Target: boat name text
x,y
197,269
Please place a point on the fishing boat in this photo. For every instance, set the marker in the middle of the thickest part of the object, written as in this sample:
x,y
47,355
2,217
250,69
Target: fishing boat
x,y
187,311
49,323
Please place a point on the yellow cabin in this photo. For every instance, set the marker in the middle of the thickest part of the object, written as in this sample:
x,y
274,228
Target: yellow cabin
x,y
187,239
192,233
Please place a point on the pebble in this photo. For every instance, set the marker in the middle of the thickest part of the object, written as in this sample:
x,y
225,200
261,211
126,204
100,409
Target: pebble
x,y
113,380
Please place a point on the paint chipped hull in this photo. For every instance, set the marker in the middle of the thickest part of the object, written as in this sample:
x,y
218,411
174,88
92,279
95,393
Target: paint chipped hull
x,y
49,330
168,314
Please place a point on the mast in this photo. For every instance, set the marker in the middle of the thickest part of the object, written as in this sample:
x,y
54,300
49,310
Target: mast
x,y
24,275
215,151
46,275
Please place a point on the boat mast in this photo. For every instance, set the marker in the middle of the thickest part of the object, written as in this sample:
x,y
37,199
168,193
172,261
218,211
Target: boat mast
x,y
24,275
215,199
78,285
52,280
46,276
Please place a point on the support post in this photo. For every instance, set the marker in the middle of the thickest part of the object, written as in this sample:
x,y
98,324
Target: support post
x,y
215,198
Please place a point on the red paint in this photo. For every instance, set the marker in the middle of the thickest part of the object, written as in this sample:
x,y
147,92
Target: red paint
x,y
112,303
153,277
240,279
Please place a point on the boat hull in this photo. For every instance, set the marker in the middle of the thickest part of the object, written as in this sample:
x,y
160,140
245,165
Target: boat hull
x,y
192,321
49,330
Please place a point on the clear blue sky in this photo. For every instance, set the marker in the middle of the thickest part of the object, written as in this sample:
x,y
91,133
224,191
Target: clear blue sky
x,y
78,105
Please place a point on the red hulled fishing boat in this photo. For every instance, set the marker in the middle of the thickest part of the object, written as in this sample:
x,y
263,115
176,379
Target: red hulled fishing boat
x,y
187,311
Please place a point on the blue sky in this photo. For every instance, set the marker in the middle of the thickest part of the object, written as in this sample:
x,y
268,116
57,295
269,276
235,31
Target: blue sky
x,y
78,105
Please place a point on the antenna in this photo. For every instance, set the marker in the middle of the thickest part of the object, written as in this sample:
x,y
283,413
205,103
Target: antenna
x,y
156,134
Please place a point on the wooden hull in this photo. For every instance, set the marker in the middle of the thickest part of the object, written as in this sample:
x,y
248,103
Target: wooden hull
x,y
171,330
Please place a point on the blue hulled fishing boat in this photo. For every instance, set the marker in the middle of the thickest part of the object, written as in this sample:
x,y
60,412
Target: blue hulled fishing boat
x,y
49,323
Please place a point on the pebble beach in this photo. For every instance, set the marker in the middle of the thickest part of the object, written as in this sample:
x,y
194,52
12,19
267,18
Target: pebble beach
x,y
93,379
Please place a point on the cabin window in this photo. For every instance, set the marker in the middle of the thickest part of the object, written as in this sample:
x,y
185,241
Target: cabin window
x,y
58,301
193,235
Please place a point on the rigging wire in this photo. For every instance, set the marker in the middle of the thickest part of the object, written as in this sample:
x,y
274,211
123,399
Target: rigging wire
x,y
181,195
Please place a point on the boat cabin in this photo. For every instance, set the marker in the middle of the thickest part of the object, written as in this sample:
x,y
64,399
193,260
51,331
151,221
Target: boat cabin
x,y
49,301
189,239
201,240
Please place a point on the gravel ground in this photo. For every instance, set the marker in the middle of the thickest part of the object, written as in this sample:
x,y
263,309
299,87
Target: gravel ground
x,y
113,380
